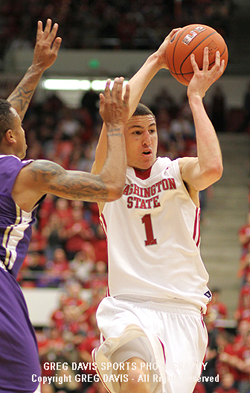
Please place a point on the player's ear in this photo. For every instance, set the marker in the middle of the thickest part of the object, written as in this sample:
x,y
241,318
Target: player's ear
x,y
9,135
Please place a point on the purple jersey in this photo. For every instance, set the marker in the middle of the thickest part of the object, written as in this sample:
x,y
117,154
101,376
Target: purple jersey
x,y
18,347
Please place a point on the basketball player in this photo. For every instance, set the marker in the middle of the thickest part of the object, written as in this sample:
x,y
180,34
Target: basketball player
x,y
154,338
23,184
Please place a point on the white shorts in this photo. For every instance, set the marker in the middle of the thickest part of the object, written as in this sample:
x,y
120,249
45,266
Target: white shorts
x,y
38,390
169,336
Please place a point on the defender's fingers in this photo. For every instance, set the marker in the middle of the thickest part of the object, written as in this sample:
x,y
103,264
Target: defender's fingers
x,y
102,102
53,32
101,96
39,31
126,94
119,88
115,85
107,87
56,45
48,27
115,89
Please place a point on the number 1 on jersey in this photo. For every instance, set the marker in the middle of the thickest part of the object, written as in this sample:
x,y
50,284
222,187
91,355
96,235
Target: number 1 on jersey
x,y
146,220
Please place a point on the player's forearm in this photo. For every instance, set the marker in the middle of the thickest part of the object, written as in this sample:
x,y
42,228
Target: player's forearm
x,y
21,96
208,147
113,172
41,177
141,79
100,152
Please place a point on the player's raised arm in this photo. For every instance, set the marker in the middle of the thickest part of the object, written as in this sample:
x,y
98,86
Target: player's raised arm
x,y
45,54
42,176
207,168
138,84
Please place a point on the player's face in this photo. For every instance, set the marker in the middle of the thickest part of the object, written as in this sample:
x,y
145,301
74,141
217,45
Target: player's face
x,y
141,141
19,133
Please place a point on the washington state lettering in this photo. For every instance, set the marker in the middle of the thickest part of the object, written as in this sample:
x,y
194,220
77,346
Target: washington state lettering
x,y
147,198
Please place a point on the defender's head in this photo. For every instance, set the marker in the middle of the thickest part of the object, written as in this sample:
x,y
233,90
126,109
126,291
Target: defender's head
x,y
12,135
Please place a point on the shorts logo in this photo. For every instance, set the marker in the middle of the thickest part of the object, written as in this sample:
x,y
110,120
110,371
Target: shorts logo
x,y
208,294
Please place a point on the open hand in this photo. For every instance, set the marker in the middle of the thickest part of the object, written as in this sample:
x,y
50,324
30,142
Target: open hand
x,y
47,45
203,79
161,52
114,109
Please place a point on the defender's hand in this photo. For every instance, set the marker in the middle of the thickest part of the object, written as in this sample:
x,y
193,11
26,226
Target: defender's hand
x,y
114,109
47,45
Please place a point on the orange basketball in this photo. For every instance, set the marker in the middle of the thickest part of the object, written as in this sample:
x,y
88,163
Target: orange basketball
x,y
193,39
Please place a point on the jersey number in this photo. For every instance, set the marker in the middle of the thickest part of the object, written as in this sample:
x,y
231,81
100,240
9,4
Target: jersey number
x,y
146,220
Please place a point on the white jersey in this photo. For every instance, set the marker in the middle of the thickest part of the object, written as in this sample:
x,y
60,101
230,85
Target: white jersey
x,y
153,234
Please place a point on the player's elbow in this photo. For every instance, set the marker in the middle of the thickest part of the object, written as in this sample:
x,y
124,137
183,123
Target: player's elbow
x,y
115,192
114,182
215,171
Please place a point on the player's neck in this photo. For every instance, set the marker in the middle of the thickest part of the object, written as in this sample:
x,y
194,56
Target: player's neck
x,y
142,173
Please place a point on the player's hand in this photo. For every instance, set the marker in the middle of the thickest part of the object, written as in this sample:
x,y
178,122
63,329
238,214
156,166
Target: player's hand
x,y
161,52
203,79
47,45
114,109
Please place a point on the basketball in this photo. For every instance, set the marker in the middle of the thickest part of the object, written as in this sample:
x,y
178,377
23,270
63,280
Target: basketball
x,y
193,39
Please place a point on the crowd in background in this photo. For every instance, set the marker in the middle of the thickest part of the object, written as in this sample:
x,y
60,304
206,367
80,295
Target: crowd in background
x,y
108,24
227,361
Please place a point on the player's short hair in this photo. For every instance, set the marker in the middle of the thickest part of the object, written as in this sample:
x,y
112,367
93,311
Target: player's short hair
x,y
6,117
142,110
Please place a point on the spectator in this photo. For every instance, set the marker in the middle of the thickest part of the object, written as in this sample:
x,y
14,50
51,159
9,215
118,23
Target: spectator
x,y
96,387
33,270
243,309
244,266
66,381
76,232
226,346
244,236
211,354
199,388
218,109
246,108
226,385
58,268
53,232
90,101
83,263
216,307
241,360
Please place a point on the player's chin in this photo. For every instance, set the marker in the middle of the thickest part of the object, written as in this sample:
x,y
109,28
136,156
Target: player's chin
x,y
147,160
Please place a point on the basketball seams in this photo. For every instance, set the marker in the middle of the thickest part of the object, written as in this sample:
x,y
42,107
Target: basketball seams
x,y
221,56
214,32
191,72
